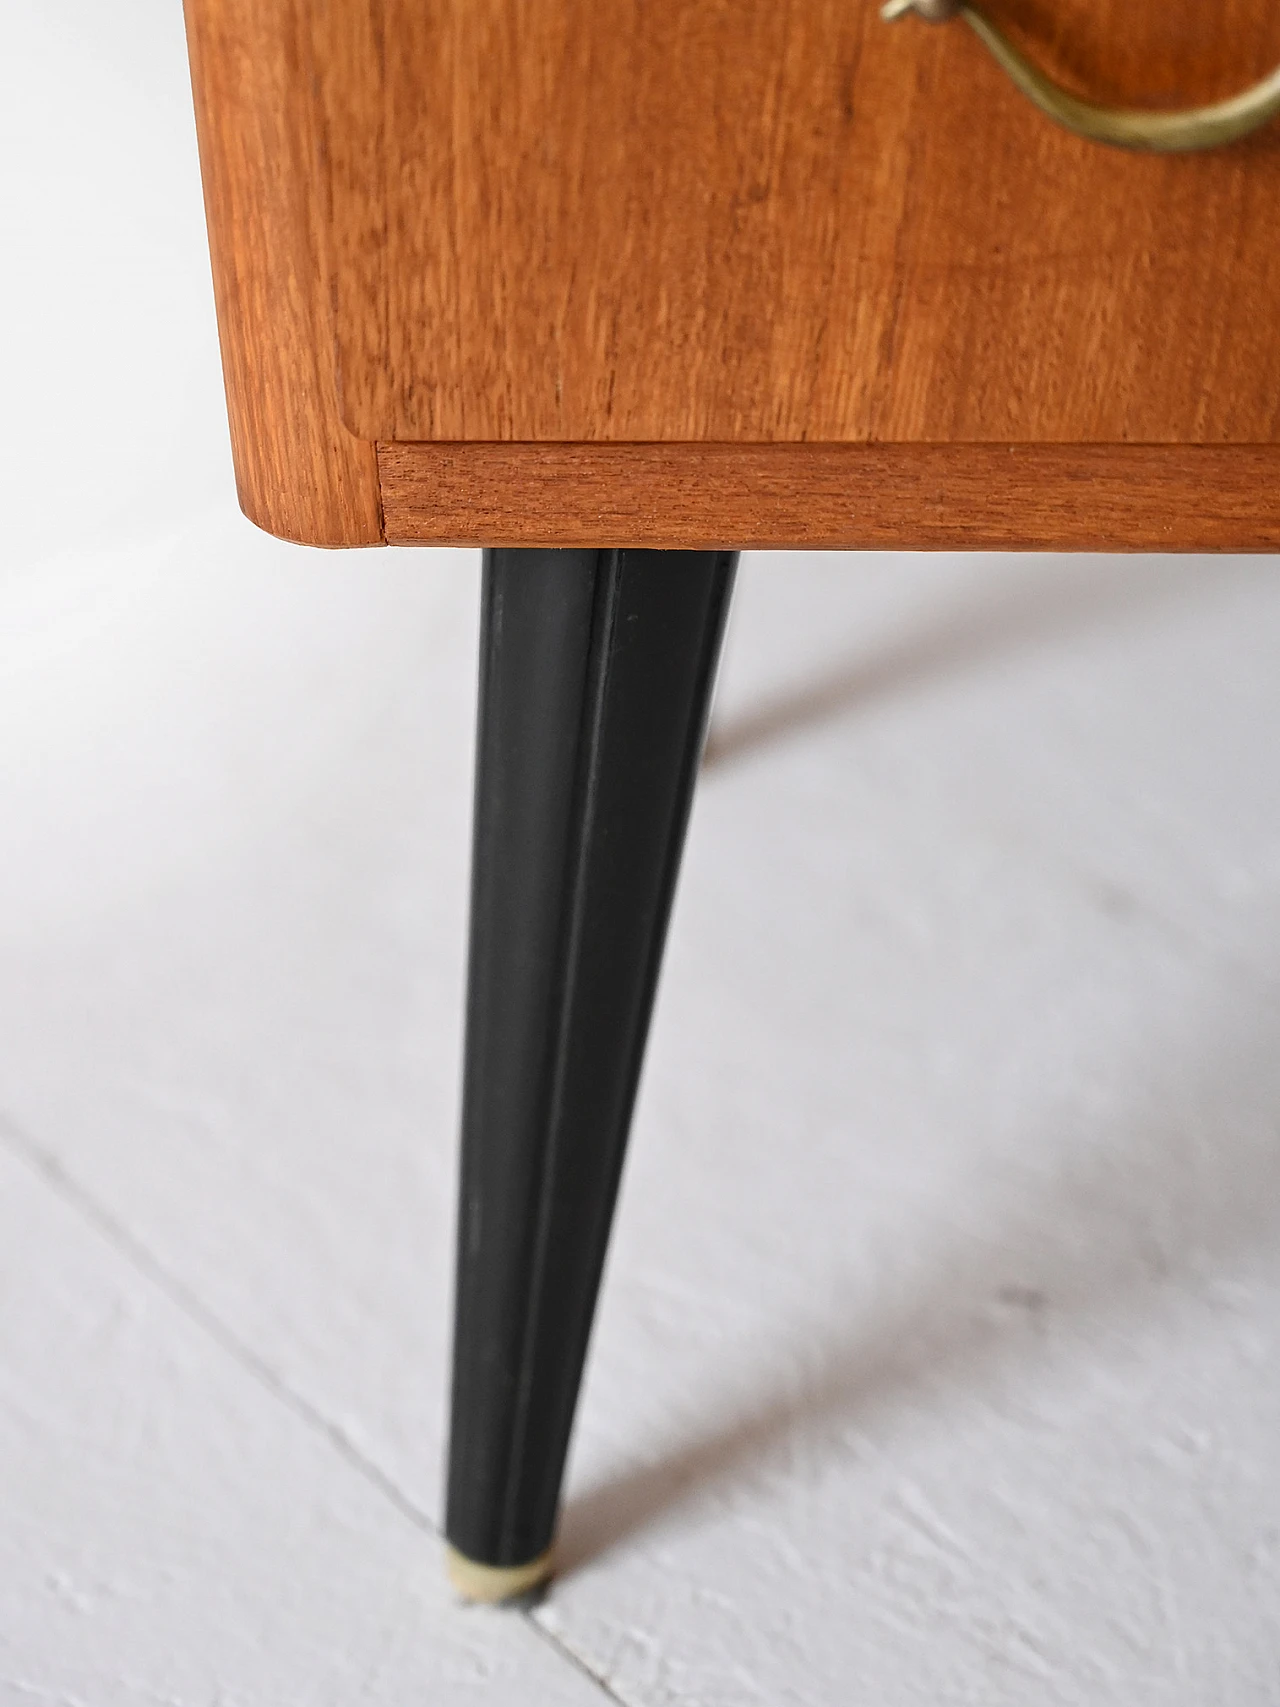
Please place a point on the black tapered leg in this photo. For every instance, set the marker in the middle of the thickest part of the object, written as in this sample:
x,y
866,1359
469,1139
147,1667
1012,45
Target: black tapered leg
x,y
596,675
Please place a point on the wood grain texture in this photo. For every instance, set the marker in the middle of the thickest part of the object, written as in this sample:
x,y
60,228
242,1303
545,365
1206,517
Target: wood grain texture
x,y
785,220
884,497
299,473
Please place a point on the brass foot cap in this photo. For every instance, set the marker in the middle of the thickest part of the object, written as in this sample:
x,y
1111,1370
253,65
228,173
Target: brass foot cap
x,y
493,1583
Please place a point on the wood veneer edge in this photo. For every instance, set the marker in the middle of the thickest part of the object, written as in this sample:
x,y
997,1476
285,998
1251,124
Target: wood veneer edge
x,y
973,497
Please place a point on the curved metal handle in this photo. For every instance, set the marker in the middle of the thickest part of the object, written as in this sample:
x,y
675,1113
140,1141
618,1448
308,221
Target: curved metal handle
x,y
1122,127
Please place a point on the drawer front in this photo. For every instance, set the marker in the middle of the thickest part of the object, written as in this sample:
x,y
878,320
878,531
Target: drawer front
x,y
753,221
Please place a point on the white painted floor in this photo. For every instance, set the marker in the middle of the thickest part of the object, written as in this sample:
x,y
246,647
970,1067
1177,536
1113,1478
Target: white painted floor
x,y
939,1356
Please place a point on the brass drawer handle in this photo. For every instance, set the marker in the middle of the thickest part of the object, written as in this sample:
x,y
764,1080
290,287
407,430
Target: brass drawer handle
x,y
1122,127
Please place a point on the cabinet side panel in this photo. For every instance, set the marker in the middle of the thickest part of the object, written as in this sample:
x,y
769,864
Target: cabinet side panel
x,y
299,473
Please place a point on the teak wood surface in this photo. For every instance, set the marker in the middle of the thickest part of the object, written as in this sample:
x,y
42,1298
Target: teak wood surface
x,y
773,267
299,472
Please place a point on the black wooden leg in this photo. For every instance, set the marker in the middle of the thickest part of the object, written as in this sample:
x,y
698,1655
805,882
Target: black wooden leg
x,y
596,675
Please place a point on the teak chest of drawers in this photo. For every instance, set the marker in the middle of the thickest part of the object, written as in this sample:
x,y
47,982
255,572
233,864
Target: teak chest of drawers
x,y
615,290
